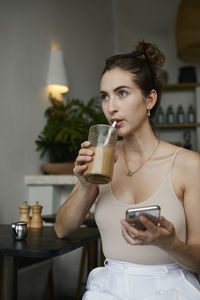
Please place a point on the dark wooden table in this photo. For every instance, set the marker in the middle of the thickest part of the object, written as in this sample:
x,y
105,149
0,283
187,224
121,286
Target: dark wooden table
x,y
40,243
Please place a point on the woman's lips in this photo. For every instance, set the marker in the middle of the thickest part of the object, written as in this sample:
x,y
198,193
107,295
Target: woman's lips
x,y
119,123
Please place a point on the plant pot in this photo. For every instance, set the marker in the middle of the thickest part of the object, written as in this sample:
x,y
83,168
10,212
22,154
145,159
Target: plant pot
x,y
58,168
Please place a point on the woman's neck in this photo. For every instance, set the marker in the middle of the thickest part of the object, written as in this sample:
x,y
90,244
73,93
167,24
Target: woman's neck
x,y
140,145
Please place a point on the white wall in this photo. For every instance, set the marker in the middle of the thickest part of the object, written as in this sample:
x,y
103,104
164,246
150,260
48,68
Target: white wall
x,y
88,31
83,29
155,22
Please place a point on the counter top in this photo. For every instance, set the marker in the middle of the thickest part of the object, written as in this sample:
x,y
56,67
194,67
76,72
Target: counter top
x,y
41,180
43,242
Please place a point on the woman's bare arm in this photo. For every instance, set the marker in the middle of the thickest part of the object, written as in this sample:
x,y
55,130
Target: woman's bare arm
x,y
72,213
188,254
164,236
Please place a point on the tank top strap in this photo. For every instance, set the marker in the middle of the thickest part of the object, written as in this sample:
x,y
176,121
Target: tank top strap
x,y
173,159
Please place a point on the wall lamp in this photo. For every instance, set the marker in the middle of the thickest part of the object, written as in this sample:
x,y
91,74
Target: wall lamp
x,y
57,82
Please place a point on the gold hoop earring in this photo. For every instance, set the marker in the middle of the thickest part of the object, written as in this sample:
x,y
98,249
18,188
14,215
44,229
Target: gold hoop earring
x,y
148,112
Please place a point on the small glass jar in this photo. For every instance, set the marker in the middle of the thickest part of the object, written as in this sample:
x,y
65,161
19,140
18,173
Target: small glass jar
x,y
160,117
180,115
191,116
170,118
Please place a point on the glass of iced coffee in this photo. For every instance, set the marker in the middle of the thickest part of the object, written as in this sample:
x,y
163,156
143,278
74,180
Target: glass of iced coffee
x,y
103,140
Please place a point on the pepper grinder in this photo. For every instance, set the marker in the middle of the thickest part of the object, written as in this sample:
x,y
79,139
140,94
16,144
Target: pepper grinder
x,y
36,220
24,213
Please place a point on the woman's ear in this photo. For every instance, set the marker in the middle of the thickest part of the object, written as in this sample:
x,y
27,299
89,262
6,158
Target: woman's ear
x,y
151,99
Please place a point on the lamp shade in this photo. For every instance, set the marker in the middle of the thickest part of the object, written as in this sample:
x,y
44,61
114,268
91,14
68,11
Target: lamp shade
x,y
57,77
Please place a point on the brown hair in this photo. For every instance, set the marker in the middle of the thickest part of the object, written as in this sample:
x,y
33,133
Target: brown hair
x,y
144,63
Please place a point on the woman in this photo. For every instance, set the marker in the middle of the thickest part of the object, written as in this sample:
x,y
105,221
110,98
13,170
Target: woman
x,y
156,263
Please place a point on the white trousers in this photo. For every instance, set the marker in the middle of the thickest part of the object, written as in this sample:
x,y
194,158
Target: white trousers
x,y
126,281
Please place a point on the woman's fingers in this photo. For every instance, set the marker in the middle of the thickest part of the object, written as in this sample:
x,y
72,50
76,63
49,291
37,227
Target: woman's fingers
x,y
164,223
85,151
84,156
83,159
161,236
79,169
131,234
148,224
85,144
141,237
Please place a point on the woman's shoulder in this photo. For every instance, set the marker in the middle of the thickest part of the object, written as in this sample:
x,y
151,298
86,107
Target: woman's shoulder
x,y
186,160
189,157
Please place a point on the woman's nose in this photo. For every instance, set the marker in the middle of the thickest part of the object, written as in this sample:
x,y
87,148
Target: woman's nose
x,y
112,106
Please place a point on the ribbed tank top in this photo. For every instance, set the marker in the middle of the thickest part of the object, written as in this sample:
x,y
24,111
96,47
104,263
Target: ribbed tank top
x,y
109,211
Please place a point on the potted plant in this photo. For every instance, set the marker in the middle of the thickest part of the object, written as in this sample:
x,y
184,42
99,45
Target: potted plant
x,y
66,128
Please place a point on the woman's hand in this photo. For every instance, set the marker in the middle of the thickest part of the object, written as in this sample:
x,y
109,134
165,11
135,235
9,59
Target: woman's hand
x,y
162,236
84,156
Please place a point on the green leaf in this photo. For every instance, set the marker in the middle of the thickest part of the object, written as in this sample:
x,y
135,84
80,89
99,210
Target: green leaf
x,y
67,127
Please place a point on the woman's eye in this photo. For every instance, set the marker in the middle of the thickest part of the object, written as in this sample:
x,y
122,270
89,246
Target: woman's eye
x,y
103,97
123,93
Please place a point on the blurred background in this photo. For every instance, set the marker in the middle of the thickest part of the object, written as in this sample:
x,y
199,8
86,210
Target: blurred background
x,y
87,32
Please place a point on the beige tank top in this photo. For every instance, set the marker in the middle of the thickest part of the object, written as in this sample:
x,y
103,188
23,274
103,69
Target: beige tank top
x,y
109,211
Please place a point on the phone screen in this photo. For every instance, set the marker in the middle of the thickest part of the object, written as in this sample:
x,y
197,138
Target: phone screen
x,y
150,212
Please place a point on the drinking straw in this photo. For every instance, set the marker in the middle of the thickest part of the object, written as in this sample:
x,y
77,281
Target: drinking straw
x,y
109,133
114,123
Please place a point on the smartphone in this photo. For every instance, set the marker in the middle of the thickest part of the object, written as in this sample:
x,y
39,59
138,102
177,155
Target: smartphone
x,y
150,212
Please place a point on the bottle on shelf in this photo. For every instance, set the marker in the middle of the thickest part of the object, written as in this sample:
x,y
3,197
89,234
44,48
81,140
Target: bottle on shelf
x,y
180,115
191,117
187,139
170,118
160,118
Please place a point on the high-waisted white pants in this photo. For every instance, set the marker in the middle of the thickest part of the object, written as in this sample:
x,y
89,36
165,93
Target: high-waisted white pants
x,y
126,281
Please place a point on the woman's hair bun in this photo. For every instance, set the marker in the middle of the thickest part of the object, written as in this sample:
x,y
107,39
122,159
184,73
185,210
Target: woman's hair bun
x,y
155,56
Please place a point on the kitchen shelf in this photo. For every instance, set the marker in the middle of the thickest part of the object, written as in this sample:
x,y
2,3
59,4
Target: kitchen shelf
x,y
190,93
181,86
171,126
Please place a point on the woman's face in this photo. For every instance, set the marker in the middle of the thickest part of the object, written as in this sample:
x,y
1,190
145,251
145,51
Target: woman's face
x,y
122,101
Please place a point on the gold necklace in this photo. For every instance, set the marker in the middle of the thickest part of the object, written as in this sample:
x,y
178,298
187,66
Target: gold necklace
x,y
129,172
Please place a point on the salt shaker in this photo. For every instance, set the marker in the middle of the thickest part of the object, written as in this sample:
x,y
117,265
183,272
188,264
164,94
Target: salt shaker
x,y
36,220
24,213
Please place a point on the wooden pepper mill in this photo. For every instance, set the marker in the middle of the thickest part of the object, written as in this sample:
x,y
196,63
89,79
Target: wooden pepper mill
x,y
24,213
36,220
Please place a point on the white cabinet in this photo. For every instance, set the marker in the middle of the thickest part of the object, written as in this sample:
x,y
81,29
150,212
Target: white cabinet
x,y
49,190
